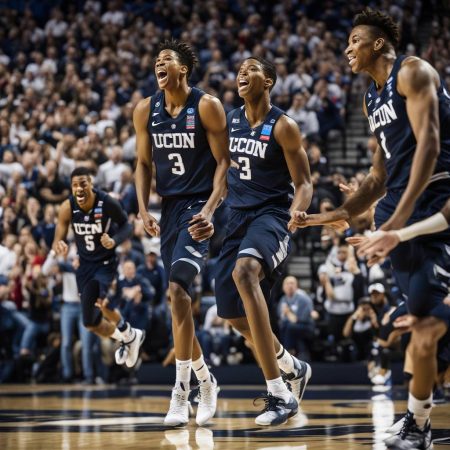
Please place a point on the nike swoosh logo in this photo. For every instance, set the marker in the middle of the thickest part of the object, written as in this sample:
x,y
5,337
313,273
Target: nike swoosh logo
x,y
76,210
154,124
155,114
234,129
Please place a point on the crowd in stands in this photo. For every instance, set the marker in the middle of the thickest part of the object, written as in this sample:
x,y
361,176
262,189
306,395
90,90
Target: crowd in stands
x,y
71,74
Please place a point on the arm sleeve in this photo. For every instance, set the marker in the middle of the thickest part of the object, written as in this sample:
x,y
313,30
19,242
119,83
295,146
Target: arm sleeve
x,y
119,217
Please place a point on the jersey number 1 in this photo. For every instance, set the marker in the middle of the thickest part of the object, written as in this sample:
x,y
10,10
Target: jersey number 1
x,y
178,166
383,145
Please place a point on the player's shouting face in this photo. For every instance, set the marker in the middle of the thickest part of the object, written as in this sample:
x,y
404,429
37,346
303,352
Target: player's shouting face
x,y
251,79
168,69
82,190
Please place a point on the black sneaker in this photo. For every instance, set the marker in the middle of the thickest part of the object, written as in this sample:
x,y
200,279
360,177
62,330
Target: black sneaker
x,y
276,411
411,436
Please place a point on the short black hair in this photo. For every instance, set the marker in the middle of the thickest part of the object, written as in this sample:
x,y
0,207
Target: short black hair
x,y
269,68
80,171
383,22
185,53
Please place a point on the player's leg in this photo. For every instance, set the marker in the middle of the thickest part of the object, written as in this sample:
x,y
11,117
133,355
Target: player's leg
x,y
427,291
295,373
186,261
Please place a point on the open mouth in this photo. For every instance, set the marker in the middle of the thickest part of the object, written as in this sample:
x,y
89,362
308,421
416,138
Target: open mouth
x,y
351,60
161,75
81,197
242,83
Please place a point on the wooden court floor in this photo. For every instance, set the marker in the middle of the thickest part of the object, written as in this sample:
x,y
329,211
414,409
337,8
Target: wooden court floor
x,y
53,417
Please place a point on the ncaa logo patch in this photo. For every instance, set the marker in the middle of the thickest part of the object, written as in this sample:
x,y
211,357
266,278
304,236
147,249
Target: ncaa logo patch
x,y
265,132
190,110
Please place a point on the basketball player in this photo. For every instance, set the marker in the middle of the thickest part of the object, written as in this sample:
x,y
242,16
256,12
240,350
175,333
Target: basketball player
x,y
409,111
99,224
183,131
267,155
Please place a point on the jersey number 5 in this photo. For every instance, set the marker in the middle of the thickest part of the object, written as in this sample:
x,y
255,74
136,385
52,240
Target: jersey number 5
x,y
89,240
178,166
244,166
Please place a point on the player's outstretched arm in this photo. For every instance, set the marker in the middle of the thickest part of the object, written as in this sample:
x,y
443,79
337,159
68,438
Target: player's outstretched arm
x,y
288,136
379,244
143,173
371,189
214,121
418,82
62,227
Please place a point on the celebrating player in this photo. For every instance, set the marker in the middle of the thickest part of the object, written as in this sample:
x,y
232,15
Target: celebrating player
x,y
99,224
267,155
409,111
183,131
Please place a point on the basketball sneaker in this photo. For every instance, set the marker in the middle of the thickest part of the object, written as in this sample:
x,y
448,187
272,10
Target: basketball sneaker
x,y
276,411
133,347
411,436
298,379
178,414
207,400
121,354
396,427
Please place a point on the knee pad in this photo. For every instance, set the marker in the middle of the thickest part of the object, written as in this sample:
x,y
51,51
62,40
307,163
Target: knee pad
x,y
183,273
91,314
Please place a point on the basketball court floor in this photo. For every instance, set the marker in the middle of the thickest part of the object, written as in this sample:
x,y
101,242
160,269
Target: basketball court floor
x,y
53,417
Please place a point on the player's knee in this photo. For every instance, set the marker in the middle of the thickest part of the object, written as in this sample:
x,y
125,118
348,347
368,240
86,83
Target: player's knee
x,y
246,271
182,274
180,301
424,338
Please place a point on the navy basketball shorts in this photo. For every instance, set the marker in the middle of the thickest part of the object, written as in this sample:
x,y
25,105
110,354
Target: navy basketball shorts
x,y
176,242
104,272
422,265
259,233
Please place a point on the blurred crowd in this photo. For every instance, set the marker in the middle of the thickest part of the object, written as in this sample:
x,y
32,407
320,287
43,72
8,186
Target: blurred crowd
x,y
71,74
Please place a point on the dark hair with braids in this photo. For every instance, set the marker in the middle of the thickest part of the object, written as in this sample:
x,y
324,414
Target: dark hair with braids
x,y
184,52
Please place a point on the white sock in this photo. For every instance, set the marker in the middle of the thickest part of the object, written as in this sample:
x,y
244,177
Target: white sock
x,y
278,389
117,335
420,408
285,360
128,334
183,376
201,370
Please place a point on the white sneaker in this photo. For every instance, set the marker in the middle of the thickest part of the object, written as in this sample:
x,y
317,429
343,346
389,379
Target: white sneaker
x,y
207,400
178,414
133,347
276,411
396,427
121,354
379,380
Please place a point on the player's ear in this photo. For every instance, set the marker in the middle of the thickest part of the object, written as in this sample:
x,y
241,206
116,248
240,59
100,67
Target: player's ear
x,y
379,44
184,70
268,83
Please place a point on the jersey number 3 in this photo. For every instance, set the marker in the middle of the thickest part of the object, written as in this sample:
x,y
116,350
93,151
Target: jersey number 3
x,y
244,166
178,166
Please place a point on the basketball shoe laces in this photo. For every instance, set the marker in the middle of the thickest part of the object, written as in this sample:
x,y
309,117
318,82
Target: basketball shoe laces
x,y
123,345
409,426
177,403
271,403
206,393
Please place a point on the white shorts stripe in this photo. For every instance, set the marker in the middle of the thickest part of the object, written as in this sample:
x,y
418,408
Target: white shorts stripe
x,y
190,261
252,251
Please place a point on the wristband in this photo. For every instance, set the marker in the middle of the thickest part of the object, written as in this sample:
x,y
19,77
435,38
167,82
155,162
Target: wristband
x,y
433,224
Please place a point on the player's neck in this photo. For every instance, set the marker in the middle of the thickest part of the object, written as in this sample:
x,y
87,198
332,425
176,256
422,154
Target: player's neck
x,y
176,98
380,70
256,109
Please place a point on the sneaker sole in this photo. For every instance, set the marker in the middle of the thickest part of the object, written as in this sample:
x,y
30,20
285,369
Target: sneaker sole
x,y
137,353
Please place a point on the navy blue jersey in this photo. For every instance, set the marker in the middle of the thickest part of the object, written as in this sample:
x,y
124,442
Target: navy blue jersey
x,y
389,122
263,176
183,159
105,217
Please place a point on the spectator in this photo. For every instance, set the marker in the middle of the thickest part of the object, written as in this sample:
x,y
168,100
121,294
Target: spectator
x,y
295,311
